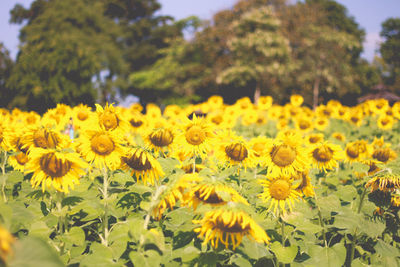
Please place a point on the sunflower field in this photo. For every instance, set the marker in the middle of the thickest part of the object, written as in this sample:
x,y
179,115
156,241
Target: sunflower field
x,y
209,184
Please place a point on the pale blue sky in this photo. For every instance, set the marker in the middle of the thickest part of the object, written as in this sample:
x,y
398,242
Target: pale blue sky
x,y
368,13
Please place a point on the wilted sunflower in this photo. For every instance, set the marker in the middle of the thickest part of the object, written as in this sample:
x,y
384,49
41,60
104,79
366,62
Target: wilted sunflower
x,y
385,183
196,137
286,156
160,139
102,148
325,156
228,227
58,169
212,193
385,122
6,242
143,165
280,191
110,119
384,155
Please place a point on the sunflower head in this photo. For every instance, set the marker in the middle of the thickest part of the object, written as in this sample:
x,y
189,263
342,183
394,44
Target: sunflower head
x,y
6,242
385,122
160,139
325,156
384,155
296,100
280,192
229,226
384,183
143,164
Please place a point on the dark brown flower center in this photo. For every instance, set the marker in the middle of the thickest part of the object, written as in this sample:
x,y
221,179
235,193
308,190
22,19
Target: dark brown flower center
x,y
237,152
53,166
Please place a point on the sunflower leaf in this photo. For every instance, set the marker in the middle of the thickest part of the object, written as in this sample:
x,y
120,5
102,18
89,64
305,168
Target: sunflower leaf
x,y
284,254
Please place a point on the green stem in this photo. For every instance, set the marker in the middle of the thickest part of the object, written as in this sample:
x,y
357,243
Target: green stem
x,y
3,170
282,231
105,199
321,222
352,248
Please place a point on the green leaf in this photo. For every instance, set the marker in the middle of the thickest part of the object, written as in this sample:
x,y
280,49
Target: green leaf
x,y
187,253
386,250
327,256
76,236
328,204
240,261
349,220
284,254
252,249
15,177
208,259
346,193
39,229
100,256
33,252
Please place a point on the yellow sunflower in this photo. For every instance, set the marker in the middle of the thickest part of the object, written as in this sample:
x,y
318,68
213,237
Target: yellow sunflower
x,y
339,136
321,123
82,116
303,124
143,165
233,150
259,145
384,155
196,137
385,122
228,226
314,138
302,184
6,243
160,139
325,156
296,100
102,148
110,119
213,193
43,137
357,150
280,191
379,106
285,156
264,102
58,169
356,118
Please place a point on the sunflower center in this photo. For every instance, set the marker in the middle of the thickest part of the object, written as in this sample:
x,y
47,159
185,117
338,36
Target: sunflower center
x,y
279,189
384,121
353,151
231,228
21,158
314,139
213,198
382,155
355,119
102,144
217,120
53,166
195,135
323,154
82,115
303,124
109,120
283,155
136,122
237,152
45,139
161,138
138,162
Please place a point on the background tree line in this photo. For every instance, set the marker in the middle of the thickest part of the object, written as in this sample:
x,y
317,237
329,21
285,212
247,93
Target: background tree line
x,y
85,51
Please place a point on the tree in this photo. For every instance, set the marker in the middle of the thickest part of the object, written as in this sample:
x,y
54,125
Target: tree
x,y
66,45
390,51
6,65
260,52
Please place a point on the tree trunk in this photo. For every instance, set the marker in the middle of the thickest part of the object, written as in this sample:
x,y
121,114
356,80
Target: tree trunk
x,y
316,92
257,94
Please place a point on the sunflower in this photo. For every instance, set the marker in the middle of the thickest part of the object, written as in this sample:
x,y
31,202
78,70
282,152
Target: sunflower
x,y
264,102
379,106
303,124
136,120
357,150
296,100
259,145
143,165
384,155
214,194
160,139
215,101
43,137
339,136
302,184
82,116
58,169
110,119
196,137
6,242
286,155
373,168
281,191
356,118
314,138
229,226
325,156
385,122
321,123
385,183
102,148
379,142
233,150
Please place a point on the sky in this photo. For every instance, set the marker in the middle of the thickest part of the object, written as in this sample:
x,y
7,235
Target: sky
x,y
369,14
